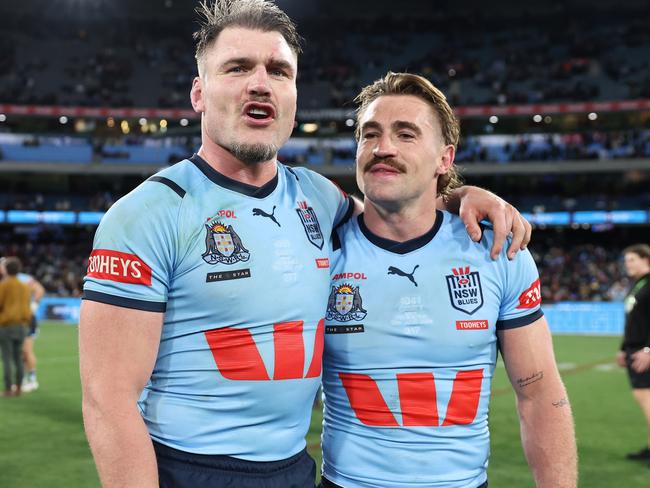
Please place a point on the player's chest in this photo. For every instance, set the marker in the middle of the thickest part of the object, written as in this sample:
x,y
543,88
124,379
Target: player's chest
x,y
245,249
413,304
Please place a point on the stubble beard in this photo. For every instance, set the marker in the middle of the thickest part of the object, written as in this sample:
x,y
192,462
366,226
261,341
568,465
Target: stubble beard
x,y
251,154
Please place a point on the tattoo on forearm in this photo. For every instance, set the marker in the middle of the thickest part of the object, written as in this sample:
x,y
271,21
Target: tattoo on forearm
x,y
561,403
521,382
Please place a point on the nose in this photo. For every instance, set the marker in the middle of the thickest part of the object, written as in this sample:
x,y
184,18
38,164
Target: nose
x,y
258,84
384,147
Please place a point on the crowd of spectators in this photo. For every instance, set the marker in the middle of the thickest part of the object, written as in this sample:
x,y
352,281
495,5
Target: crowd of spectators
x,y
478,58
97,202
628,144
56,257
502,148
586,272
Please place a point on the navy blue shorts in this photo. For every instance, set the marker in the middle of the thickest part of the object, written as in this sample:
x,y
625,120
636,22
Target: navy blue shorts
x,y
325,483
179,469
33,328
637,380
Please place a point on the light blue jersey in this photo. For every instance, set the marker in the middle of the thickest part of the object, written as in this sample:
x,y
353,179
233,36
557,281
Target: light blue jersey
x,y
28,279
410,350
241,274
25,278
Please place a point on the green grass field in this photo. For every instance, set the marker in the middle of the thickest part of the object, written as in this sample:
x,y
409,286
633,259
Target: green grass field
x,y
42,443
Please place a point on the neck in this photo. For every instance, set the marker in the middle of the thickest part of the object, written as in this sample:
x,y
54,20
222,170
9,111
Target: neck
x,y
641,274
228,165
399,225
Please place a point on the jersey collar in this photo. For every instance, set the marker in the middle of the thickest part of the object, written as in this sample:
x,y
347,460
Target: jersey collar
x,y
234,185
401,247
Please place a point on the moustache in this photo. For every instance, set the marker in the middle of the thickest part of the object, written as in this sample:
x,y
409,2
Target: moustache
x,y
259,99
387,162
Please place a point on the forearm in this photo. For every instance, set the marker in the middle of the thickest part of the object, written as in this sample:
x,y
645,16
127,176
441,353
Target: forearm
x,y
548,438
120,443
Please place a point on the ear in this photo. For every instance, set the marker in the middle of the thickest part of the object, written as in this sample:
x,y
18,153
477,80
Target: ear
x,y
196,95
447,159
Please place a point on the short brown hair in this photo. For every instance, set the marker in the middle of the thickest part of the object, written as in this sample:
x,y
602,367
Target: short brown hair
x,y
261,15
12,265
641,250
419,86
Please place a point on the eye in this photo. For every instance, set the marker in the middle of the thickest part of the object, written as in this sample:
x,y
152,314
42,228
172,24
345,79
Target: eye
x,y
407,136
236,69
369,135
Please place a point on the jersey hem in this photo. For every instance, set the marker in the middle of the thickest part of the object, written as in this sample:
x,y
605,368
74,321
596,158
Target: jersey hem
x,y
329,482
95,296
209,452
520,321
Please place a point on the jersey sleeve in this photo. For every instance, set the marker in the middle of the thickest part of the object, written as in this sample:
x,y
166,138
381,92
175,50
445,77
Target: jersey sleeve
x,y
134,250
336,201
522,299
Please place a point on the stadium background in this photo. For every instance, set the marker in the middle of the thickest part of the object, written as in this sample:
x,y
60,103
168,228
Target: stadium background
x,y
554,101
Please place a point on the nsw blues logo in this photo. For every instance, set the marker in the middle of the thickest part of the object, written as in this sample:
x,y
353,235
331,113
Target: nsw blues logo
x,y
345,304
310,223
465,290
223,245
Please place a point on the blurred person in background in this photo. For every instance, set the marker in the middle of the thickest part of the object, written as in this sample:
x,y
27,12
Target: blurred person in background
x,y
15,317
635,348
201,328
30,382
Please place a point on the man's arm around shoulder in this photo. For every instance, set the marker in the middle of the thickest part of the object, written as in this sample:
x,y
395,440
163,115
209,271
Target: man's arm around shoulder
x,y
547,432
117,352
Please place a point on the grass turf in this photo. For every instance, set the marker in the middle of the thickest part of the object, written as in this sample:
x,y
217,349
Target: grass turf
x,y
42,443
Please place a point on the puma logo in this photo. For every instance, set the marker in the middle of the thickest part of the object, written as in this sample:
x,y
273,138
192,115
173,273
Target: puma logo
x,y
262,213
397,271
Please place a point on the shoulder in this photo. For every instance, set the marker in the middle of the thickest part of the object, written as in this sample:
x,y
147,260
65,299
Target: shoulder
x,y
454,228
457,227
183,179
306,176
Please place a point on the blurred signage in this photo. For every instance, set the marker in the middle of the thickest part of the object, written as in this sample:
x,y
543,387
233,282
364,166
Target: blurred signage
x,y
597,318
90,218
60,309
549,218
34,217
590,217
629,217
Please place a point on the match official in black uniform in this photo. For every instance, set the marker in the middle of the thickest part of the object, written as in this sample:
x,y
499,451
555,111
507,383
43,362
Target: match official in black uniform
x,y
635,349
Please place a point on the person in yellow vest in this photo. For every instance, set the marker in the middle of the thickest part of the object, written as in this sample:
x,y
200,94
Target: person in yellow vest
x,y
15,317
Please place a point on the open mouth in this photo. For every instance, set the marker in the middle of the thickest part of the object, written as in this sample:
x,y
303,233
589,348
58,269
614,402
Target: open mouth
x,y
259,111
